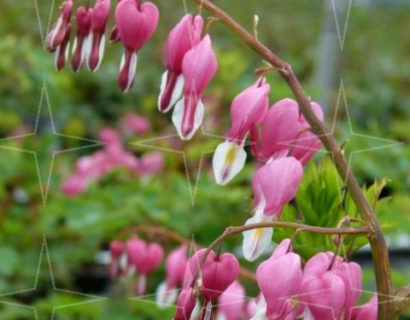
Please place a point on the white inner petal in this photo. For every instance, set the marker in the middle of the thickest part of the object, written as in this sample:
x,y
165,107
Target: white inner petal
x,y
164,297
260,309
161,89
131,71
178,114
255,241
228,160
56,55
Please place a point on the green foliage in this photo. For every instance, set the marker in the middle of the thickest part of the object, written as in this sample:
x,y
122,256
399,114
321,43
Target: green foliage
x,y
322,201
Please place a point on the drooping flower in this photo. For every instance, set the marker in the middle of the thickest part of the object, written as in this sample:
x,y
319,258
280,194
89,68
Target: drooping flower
x,y
285,132
231,304
145,258
307,143
280,294
185,304
367,311
99,17
274,185
116,251
59,31
136,24
248,109
74,185
175,271
185,35
199,65
217,274
351,273
61,54
133,123
323,289
81,46
151,163
279,128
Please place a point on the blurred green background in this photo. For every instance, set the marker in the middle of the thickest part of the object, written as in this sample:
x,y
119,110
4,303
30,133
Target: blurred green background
x,y
370,78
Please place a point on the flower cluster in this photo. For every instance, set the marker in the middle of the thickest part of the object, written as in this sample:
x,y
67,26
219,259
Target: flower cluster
x,y
135,23
135,257
112,156
325,288
281,139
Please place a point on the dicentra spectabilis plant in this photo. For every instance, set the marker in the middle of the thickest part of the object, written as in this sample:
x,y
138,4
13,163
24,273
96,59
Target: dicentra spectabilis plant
x,y
283,138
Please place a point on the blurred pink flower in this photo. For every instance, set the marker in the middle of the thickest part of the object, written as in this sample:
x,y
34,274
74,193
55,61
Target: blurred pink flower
x,y
74,185
133,123
231,304
151,163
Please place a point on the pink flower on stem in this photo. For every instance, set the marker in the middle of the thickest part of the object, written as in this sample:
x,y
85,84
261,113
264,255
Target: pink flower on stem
x,y
285,132
81,46
231,303
74,185
367,311
307,143
280,294
175,271
185,35
279,128
145,258
185,304
61,54
59,31
217,274
116,250
324,290
274,185
151,163
133,123
199,65
136,23
99,18
248,109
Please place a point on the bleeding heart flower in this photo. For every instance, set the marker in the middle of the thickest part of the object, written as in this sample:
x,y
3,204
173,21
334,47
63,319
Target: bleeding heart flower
x,y
136,24
199,65
280,295
307,143
279,128
59,31
231,303
248,109
74,185
218,273
323,289
99,18
116,251
175,270
82,45
185,304
185,35
61,54
367,311
274,185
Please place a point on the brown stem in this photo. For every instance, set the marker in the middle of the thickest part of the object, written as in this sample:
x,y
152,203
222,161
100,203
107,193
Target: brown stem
x,y
377,242
279,224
